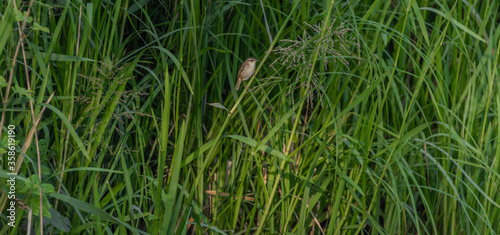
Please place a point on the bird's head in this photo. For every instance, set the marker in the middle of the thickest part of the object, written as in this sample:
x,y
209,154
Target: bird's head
x,y
251,60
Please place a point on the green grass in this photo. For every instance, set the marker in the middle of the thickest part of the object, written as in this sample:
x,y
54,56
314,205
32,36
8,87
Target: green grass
x,y
363,117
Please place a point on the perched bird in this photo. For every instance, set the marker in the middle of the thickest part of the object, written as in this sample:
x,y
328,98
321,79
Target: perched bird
x,y
246,71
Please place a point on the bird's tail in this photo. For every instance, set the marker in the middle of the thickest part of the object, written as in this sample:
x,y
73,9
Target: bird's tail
x,y
237,85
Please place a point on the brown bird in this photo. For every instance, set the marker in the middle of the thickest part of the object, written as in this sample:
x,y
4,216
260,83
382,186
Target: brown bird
x,y
246,71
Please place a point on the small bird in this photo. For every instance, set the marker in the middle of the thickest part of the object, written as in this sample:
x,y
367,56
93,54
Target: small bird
x,y
246,71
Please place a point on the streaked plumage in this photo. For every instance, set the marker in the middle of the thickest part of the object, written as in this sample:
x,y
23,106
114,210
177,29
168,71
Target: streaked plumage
x,y
246,71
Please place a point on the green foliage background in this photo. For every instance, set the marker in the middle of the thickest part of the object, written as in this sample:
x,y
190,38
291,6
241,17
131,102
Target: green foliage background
x,y
363,117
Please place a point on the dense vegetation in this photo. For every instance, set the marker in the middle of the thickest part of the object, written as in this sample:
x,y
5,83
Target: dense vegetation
x,y
363,117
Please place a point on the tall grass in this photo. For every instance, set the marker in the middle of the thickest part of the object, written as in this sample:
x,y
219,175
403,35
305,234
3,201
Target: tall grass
x,y
377,117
